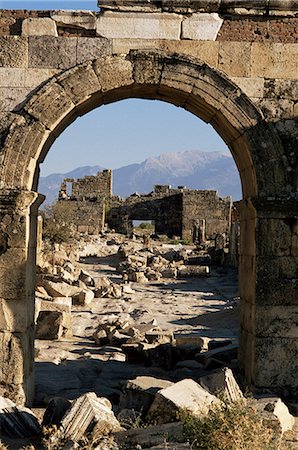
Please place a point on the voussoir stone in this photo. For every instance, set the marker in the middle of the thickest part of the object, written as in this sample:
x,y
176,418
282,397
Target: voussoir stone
x,y
113,73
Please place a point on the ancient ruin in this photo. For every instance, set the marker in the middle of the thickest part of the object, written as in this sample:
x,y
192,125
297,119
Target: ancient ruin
x,y
234,65
189,214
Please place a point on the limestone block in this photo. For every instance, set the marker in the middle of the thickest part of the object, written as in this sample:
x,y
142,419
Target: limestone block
x,y
201,26
113,73
42,26
17,421
34,77
274,237
13,51
143,26
50,105
275,110
16,364
88,49
186,394
13,274
52,52
282,89
234,58
252,87
138,394
169,272
79,83
222,381
89,411
281,368
12,77
274,60
191,340
193,271
59,289
147,67
74,19
85,297
16,315
53,325
11,97
277,408
278,321
155,435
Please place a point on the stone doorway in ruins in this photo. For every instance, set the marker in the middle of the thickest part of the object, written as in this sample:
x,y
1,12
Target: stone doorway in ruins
x,y
184,82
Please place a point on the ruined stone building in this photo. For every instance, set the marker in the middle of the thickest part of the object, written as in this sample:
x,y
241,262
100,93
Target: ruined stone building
x,y
181,212
88,198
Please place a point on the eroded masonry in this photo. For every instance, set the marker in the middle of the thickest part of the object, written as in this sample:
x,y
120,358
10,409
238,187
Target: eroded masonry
x,y
234,65
190,214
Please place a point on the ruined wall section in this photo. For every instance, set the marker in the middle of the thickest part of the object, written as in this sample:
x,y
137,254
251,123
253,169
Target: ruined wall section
x,y
88,199
208,206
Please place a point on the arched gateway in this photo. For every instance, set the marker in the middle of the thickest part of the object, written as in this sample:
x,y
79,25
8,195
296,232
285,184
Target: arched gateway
x,y
269,224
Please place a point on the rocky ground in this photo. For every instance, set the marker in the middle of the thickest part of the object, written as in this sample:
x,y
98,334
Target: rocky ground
x,y
125,319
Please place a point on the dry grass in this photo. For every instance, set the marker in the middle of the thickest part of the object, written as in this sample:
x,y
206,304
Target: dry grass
x,y
230,427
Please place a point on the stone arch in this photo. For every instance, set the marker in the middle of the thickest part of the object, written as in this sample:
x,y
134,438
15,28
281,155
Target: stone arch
x,y
258,153
181,80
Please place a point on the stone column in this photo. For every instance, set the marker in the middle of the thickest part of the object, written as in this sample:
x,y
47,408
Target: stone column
x,y
268,276
18,211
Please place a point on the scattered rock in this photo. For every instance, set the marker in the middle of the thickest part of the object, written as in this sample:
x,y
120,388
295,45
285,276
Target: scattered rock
x,y
222,381
89,412
16,421
53,325
186,394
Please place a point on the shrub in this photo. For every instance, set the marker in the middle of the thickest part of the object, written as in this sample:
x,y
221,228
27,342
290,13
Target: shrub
x,y
58,223
234,426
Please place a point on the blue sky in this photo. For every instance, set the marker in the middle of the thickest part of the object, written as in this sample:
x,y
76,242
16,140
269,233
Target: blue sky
x,y
124,132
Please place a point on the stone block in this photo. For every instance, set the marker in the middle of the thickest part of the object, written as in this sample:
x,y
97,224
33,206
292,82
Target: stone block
x,y
12,77
89,412
154,435
75,19
17,421
113,73
79,83
49,105
59,289
201,26
252,87
13,51
84,297
191,340
143,26
53,325
16,315
234,58
52,52
13,274
16,365
187,395
147,68
41,26
276,407
223,382
273,237
34,77
193,271
279,321
138,394
281,368
12,97
274,60
89,49
275,110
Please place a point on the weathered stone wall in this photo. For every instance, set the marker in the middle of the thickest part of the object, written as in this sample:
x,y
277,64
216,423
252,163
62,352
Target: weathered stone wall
x,y
231,63
87,199
206,206
175,212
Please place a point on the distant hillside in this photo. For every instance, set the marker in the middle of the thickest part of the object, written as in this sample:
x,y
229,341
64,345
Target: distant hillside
x,y
193,169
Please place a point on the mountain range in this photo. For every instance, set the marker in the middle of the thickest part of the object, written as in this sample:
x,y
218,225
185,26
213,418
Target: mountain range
x,y
191,168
